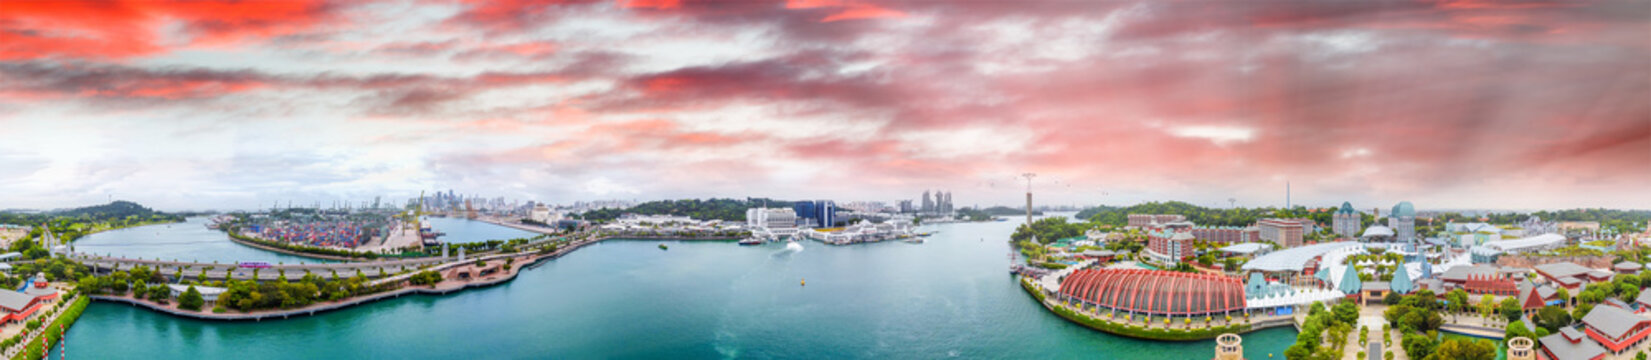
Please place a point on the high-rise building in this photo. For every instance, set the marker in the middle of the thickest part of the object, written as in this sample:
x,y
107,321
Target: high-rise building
x,y
1285,232
805,213
825,211
1346,221
905,207
1403,222
928,203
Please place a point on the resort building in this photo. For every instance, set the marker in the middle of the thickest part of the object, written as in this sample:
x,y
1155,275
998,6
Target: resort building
x,y
1226,234
1642,304
19,305
1377,234
1246,249
1570,344
1169,247
1292,264
1144,220
1534,297
1480,280
1346,221
771,223
1616,329
1570,275
1627,267
208,293
1284,232
1154,292
1403,221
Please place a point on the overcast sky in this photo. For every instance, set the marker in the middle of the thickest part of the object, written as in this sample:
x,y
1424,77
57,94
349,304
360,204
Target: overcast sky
x,y
1451,104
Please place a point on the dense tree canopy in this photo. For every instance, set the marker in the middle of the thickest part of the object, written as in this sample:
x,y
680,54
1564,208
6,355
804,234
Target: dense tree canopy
x,y
1048,230
709,209
1119,216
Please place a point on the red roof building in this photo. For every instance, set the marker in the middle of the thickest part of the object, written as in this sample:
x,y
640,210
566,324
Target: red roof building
x,y
1616,329
1155,292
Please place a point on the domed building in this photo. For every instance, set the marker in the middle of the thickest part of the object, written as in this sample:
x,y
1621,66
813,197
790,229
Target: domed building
x,y
1154,292
1403,221
1377,233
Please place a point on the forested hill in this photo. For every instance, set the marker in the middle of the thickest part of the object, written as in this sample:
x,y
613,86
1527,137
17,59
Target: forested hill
x,y
709,209
113,214
1119,216
115,210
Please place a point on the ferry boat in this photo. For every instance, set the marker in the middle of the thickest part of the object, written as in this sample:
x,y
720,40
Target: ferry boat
x,y
751,241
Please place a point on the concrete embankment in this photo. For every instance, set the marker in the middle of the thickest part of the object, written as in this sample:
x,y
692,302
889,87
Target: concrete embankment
x,y
439,290
306,311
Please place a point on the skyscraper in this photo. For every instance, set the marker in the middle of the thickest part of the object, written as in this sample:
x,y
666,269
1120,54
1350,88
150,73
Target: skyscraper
x,y
928,203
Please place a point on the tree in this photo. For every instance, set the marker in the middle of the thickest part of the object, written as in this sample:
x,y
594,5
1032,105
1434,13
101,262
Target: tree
x,y
1563,294
1346,312
1458,302
1580,311
1487,305
1552,318
160,294
1464,349
1392,298
1510,309
1518,329
1418,346
191,299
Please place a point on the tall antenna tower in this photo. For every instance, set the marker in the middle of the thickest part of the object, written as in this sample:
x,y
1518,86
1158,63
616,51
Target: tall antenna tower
x,y
1029,177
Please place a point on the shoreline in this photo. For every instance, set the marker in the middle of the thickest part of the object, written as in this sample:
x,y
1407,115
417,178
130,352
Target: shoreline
x,y
516,270
185,220
1148,333
255,245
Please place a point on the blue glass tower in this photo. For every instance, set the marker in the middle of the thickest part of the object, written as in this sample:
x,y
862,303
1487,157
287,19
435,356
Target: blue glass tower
x,y
805,212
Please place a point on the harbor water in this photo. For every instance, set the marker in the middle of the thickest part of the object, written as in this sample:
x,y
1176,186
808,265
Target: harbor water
x,y
950,297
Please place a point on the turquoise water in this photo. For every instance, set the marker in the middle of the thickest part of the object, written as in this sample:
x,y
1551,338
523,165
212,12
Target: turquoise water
x,y
186,241
950,297
461,231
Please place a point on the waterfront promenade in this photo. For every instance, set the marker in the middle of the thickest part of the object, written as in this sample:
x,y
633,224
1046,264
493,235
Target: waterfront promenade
x,y
450,283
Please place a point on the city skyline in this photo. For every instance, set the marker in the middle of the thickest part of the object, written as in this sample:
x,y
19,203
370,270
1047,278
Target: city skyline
x,y
238,105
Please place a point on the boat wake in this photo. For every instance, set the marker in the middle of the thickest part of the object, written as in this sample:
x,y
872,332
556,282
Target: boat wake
x,y
794,247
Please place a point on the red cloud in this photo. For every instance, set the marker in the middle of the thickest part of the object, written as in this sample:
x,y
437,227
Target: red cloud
x,y
120,29
863,11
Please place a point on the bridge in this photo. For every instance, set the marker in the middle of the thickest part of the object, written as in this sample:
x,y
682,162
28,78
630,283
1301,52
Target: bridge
x,y
219,271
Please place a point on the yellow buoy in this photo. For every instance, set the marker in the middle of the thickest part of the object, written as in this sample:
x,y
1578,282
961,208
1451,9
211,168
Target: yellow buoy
x,y
804,283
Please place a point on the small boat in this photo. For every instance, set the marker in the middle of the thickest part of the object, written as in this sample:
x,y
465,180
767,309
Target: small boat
x,y
662,247
751,241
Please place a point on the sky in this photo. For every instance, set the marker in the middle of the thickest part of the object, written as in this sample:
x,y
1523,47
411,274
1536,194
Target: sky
x,y
239,104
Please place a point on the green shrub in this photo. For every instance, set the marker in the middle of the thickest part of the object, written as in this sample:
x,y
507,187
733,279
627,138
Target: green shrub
x,y
64,321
